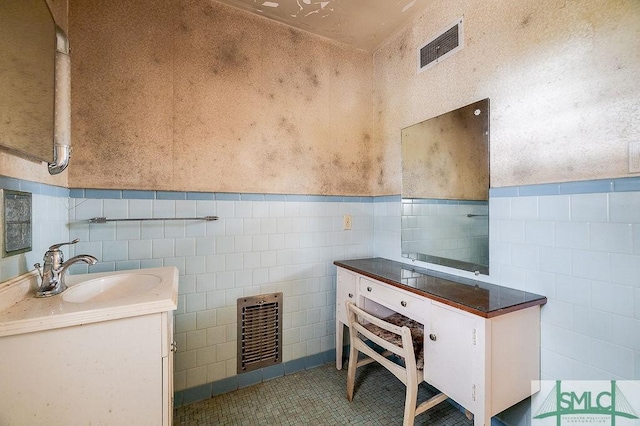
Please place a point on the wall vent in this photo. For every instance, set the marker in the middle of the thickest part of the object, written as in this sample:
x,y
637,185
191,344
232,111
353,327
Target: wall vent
x,y
440,47
259,331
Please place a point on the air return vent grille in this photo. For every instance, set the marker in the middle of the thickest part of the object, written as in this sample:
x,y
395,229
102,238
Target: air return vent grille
x,y
443,45
259,331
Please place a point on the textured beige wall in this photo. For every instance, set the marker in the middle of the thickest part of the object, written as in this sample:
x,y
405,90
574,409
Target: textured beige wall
x,y
59,10
562,77
37,171
197,96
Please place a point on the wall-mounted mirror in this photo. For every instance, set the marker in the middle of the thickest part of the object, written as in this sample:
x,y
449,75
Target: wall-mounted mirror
x,y
28,46
445,189
34,83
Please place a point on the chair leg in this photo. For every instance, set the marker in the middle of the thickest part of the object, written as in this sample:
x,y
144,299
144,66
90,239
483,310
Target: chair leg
x,y
351,370
410,401
339,343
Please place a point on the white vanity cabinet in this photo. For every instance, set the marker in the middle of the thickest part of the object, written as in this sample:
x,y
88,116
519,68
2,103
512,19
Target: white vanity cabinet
x,y
106,359
484,364
345,290
452,351
110,372
168,350
483,354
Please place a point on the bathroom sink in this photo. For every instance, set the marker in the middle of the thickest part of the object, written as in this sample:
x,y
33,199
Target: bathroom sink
x,y
111,287
89,298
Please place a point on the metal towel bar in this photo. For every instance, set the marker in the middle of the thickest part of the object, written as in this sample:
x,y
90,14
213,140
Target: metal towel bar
x,y
105,220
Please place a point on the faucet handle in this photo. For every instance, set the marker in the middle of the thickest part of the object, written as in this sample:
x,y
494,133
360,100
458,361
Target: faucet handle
x,y
39,269
57,246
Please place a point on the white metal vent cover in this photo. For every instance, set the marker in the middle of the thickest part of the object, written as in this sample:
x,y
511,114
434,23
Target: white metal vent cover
x,y
447,42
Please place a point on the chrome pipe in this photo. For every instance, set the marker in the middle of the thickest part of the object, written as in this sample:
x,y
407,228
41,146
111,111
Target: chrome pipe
x,y
62,107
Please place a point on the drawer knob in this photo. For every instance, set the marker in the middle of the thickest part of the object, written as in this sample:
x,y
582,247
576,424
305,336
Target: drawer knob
x,y
369,289
432,337
350,295
404,304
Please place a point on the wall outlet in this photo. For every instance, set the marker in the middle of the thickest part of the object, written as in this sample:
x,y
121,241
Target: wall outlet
x,y
634,157
346,222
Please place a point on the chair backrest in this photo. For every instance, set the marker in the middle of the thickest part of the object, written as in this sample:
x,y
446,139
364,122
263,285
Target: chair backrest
x,y
384,336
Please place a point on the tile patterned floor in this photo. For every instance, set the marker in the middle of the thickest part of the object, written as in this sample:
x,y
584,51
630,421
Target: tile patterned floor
x,y
317,397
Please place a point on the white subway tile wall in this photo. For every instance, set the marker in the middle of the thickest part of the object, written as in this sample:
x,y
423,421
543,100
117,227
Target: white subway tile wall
x,y
255,247
387,228
579,250
582,251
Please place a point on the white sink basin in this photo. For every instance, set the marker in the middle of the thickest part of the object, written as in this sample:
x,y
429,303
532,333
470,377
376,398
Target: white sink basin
x,y
111,287
89,298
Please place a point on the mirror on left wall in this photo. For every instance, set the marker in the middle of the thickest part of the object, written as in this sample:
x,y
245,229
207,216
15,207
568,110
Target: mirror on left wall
x,y
27,78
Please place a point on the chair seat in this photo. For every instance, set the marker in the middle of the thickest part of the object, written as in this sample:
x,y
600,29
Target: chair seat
x,y
417,335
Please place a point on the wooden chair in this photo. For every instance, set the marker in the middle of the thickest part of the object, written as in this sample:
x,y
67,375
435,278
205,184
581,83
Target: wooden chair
x,y
394,335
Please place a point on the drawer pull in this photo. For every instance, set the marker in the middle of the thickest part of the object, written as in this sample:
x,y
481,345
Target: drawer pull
x,y
369,289
404,304
350,295
432,337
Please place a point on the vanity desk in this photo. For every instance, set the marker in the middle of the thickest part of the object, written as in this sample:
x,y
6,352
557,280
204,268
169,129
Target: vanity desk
x,y
482,341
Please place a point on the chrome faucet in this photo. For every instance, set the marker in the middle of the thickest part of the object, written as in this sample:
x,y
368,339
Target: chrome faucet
x,y
52,273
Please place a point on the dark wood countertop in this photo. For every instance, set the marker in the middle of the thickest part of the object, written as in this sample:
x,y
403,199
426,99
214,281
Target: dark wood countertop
x,y
476,297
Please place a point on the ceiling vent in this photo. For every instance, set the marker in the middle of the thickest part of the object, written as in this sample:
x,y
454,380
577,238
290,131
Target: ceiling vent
x,y
440,47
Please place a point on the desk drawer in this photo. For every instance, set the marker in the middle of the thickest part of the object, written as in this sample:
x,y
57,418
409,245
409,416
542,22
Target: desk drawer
x,y
395,299
345,290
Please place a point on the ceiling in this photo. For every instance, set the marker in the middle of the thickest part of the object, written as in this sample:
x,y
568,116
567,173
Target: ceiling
x,y
363,24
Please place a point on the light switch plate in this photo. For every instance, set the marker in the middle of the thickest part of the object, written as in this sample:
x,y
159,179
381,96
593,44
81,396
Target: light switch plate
x,y
346,222
634,157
